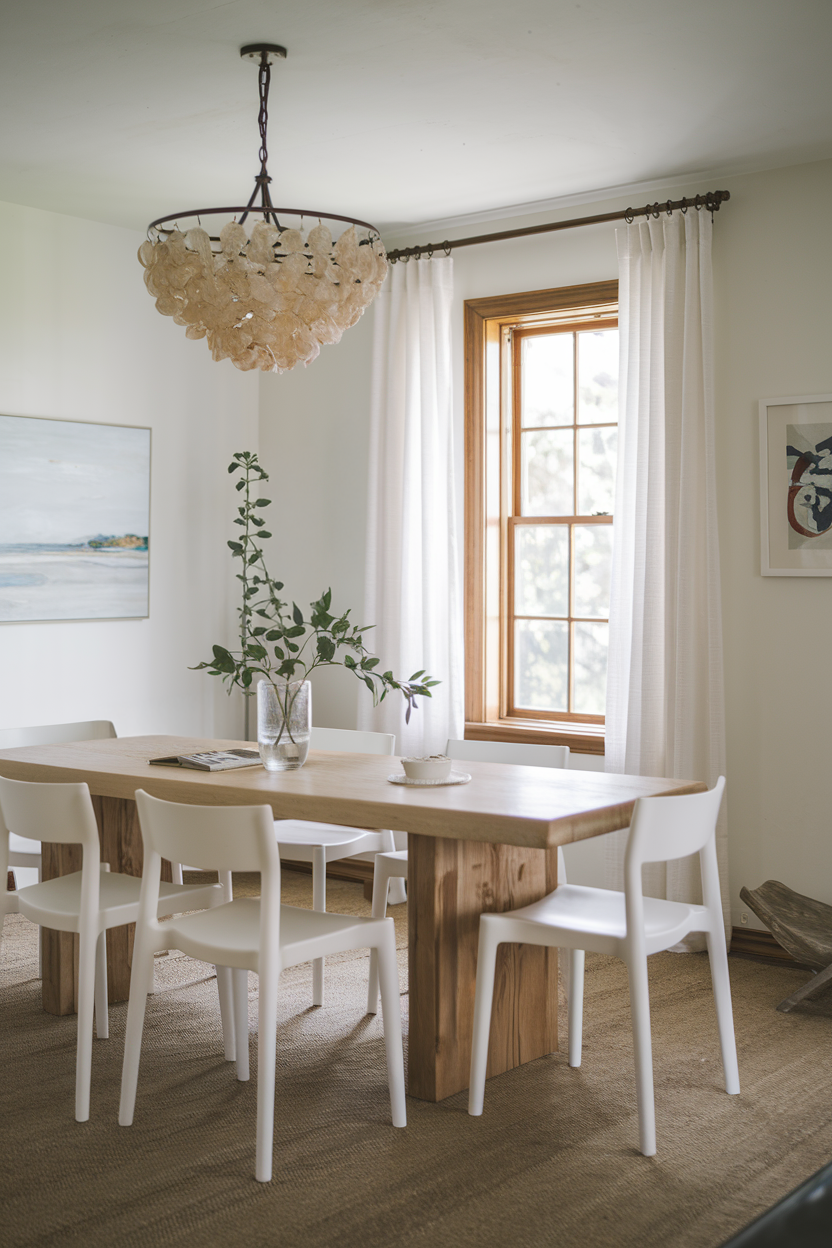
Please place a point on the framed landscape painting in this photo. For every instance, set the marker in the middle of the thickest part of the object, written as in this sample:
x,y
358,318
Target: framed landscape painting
x,y
796,486
74,520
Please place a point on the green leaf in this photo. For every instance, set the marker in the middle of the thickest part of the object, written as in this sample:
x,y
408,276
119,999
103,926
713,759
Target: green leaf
x,y
263,502
416,675
370,663
326,648
297,614
263,533
349,661
368,682
241,485
235,546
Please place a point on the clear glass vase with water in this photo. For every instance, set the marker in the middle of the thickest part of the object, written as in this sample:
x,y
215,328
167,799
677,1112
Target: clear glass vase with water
x,y
284,721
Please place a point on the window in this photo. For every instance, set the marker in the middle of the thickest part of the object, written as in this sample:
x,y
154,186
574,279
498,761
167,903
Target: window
x,y
542,400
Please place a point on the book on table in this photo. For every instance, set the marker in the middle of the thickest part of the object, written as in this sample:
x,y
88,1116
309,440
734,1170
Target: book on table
x,y
212,760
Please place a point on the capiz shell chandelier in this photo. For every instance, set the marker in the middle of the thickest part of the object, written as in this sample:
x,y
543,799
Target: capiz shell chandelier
x,y
267,298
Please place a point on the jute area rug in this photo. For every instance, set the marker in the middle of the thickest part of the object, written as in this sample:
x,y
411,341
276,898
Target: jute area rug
x,y
553,1160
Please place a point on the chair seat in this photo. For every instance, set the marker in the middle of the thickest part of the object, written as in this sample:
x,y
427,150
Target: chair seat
x,y
304,934
596,919
296,838
56,903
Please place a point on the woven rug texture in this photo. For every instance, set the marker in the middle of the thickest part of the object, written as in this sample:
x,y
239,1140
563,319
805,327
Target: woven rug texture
x,y
552,1161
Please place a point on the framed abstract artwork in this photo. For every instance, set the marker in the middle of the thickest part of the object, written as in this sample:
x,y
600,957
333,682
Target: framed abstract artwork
x,y
74,520
796,486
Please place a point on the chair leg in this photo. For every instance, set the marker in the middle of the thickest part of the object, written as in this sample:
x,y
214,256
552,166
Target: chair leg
x,y
225,991
86,1000
392,1014
266,1046
240,987
718,958
318,903
40,937
102,1022
141,982
381,882
176,872
642,1044
486,965
575,1005
396,891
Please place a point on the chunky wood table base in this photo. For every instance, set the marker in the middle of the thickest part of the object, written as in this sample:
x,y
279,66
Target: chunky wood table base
x,y
449,885
121,846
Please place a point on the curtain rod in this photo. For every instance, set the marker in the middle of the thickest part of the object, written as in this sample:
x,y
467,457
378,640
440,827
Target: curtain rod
x,y
710,201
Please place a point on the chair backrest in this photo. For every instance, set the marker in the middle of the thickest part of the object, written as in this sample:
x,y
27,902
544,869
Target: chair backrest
x,y
49,812
56,734
509,752
351,741
664,828
219,838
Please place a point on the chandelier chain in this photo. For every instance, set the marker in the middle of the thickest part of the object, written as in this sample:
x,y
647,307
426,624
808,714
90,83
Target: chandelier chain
x,y
263,79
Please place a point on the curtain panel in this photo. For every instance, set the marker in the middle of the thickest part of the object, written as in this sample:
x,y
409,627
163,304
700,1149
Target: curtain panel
x,y
665,690
413,587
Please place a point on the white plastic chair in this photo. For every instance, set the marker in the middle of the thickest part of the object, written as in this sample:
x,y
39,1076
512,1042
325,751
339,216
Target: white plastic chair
x,y
320,843
88,901
393,865
23,852
247,934
631,927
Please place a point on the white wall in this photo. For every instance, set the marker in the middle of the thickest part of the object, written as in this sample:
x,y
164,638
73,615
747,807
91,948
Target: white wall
x,y
80,339
314,443
773,274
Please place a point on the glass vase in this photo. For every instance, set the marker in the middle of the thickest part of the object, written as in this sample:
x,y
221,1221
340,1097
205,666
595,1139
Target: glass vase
x,y
284,722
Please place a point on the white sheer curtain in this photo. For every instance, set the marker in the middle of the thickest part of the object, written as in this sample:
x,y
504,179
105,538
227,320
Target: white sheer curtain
x,y
414,593
665,697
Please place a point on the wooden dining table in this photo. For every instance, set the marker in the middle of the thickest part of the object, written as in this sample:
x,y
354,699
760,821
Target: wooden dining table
x,y
490,844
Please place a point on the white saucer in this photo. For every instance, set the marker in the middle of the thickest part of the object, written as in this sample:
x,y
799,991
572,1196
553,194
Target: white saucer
x,y
456,777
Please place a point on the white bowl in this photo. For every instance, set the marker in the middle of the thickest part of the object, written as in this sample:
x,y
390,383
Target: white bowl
x,y
437,767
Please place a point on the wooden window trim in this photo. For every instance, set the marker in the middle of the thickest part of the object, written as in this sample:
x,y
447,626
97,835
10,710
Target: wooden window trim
x,y
485,520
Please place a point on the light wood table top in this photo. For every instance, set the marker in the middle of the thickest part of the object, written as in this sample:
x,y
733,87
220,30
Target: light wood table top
x,y
535,807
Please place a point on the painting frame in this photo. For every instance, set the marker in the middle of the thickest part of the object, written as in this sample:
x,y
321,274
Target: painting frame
x,y
93,553
787,547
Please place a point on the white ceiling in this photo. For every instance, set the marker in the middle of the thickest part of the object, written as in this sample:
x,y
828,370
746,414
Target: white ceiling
x,y
400,112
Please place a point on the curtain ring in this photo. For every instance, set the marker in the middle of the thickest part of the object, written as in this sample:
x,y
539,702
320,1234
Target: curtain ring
x,y
446,247
655,210
684,206
697,203
629,216
430,253
669,208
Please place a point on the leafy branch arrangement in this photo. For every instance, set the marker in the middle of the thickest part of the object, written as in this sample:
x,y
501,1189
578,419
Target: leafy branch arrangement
x,y
278,642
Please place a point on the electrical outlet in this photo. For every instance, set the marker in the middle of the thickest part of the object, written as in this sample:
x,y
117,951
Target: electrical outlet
x,y
744,919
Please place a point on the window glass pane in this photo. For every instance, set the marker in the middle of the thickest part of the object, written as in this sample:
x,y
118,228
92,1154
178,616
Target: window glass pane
x,y
593,557
541,664
596,471
541,569
598,376
590,687
546,473
548,380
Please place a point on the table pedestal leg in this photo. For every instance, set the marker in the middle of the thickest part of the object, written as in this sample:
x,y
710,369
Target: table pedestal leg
x,y
121,846
450,884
